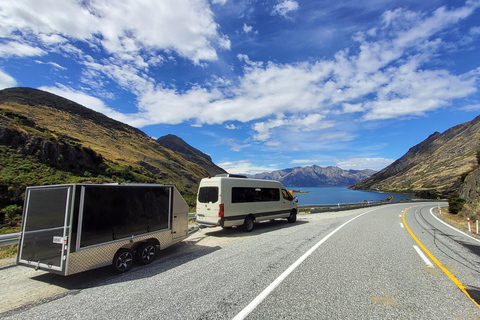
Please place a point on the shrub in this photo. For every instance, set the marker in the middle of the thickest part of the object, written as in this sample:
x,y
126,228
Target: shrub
x,y
455,203
12,214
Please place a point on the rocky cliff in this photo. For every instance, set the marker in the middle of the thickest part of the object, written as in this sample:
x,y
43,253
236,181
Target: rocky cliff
x,y
190,153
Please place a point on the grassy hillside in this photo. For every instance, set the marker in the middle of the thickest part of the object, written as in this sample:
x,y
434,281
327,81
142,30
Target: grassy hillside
x,y
436,166
46,139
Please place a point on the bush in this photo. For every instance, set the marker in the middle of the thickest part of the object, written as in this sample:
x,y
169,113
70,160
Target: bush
x,y
12,214
455,203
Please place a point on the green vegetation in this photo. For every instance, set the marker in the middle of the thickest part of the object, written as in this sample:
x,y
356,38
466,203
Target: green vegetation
x,y
18,171
8,251
455,203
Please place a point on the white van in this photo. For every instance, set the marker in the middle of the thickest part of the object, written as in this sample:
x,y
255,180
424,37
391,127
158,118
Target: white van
x,y
228,200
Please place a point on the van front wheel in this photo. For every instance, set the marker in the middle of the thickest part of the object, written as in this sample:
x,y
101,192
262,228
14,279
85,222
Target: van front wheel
x,y
293,217
248,224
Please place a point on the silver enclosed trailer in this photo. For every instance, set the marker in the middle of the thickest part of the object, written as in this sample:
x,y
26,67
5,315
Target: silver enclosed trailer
x,y
72,228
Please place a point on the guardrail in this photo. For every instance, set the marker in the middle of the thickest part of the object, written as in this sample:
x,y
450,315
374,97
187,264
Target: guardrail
x,y
8,239
316,208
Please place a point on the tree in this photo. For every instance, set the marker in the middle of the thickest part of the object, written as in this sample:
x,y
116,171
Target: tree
x,y
455,203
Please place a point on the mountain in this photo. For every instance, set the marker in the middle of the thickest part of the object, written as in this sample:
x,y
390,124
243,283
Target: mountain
x,y
315,176
189,153
436,166
48,139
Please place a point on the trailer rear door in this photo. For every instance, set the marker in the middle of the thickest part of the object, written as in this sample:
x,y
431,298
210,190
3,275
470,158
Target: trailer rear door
x,y
44,233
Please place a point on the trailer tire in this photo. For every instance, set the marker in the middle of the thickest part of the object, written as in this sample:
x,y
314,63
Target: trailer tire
x,y
248,224
123,260
293,216
146,253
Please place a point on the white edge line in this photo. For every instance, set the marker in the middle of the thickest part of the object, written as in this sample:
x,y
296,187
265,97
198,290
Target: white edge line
x,y
424,257
465,234
255,302
401,225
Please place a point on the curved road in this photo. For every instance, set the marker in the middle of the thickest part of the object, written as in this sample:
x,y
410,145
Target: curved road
x,y
361,264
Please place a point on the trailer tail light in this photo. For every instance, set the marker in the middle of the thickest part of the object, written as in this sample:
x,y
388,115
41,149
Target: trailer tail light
x,y
221,211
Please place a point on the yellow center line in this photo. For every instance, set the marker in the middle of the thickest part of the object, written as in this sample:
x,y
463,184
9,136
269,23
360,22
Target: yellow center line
x,y
448,273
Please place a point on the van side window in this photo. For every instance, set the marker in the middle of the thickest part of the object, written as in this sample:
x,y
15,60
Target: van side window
x,y
208,194
287,195
241,195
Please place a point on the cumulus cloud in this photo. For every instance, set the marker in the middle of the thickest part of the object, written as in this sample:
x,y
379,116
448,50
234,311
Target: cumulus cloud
x,y
311,122
284,8
6,81
186,27
17,49
364,163
304,161
244,167
85,100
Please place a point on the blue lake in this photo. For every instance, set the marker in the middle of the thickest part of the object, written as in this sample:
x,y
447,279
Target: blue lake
x,y
335,195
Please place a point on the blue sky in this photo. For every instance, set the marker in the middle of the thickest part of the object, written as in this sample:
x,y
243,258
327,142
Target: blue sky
x,y
257,85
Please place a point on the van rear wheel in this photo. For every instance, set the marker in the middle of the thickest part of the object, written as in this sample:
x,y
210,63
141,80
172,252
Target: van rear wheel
x,y
248,224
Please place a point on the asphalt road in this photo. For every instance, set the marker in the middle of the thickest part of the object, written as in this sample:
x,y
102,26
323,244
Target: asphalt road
x,y
359,264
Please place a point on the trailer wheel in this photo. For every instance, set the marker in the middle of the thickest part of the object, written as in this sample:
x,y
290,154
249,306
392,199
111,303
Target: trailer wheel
x,y
146,253
123,260
293,217
248,224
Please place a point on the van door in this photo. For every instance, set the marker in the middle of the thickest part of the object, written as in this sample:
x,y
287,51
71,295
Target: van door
x,y
208,204
44,228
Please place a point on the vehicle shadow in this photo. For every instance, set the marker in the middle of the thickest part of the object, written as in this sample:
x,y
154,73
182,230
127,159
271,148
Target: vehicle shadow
x,y
474,293
166,259
259,228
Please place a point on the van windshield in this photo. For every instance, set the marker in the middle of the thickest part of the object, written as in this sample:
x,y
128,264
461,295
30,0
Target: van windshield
x,y
208,194
287,195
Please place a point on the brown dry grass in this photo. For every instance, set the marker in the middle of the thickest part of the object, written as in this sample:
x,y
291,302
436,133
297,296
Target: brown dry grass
x,y
458,221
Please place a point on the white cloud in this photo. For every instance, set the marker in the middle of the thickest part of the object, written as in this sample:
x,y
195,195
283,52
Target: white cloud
x,y
312,122
244,167
231,126
472,107
364,163
53,64
247,29
186,27
85,100
19,50
6,81
284,8
304,161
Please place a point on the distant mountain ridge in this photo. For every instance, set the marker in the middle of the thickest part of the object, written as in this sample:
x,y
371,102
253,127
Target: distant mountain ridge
x,y
436,166
316,176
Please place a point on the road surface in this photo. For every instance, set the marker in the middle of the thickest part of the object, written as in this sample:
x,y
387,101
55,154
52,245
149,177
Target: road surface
x,y
388,262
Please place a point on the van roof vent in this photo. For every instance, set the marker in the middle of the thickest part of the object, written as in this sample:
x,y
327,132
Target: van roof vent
x,y
230,175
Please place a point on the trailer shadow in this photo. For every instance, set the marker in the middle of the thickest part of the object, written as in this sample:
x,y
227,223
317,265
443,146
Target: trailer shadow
x,y
166,259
